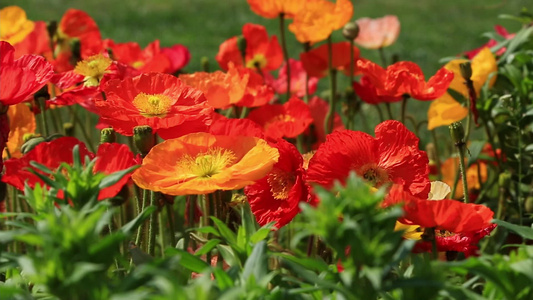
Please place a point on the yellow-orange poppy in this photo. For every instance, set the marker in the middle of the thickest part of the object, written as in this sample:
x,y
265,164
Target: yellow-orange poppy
x,y
474,176
319,18
445,110
21,122
273,8
201,163
14,26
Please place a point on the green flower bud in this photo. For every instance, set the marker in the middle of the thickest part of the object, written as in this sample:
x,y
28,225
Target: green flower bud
x,y
143,138
458,133
107,135
350,31
204,62
466,70
241,44
68,128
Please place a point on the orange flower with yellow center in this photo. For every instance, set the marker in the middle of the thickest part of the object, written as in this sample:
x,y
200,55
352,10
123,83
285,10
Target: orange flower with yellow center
x,y
14,26
21,122
201,163
152,105
93,68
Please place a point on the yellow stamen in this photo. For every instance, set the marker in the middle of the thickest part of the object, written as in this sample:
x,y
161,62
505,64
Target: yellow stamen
x,y
205,165
375,175
258,61
280,183
93,68
150,106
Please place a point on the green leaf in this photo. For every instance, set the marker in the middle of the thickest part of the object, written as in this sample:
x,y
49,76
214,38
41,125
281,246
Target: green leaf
x,y
523,231
475,149
133,224
115,177
223,279
262,233
257,263
207,247
225,232
188,260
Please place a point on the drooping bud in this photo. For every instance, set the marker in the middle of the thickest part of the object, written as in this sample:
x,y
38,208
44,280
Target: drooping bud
x,y
107,135
241,44
458,133
143,138
350,31
466,70
204,62
68,129
31,143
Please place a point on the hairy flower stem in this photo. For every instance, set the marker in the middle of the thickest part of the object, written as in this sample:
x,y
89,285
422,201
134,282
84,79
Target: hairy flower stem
x,y
76,120
333,87
404,107
389,111
142,201
152,229
285,52
461,149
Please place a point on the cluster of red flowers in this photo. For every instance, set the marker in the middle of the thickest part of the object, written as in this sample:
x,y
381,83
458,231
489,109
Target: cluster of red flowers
x,y
207,146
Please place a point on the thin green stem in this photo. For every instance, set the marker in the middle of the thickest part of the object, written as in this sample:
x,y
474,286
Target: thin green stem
x,y
170,217
461,150
382,56
380,113
81,126
152,229
437,153
389,111
285,52
328,124
143,201
404,107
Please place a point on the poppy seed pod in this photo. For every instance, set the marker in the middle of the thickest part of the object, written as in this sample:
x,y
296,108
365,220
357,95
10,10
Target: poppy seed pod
x,y
350,31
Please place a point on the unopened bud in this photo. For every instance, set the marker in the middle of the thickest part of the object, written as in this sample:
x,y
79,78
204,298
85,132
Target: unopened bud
x,y
107,135
241,44
30,144
204,62
68,128
466,70
458,133
143,138
504,180
350,31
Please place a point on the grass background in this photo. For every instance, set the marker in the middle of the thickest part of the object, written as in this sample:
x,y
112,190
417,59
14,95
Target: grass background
x,y
430,29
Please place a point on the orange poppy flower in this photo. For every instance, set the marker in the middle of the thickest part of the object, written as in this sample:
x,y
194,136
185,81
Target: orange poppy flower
x,y
261,53
319,18
202,163
21,78
239,86
315,61
14,26
37,42
158,100
283,120
406,78
377,33
21,122
273,8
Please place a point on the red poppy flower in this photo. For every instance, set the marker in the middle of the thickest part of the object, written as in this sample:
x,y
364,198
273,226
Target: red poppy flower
x,y
315,61
391,157
111,158
318,107
76,24
298,77
368,93
22,77
4,135
37,42
261,53
158,100
276,196
179,57
406,78
447,214
51,154
235,127
287,120
465,242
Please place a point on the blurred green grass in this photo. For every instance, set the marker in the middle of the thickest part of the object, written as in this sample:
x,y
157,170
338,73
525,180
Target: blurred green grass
x,y
430,29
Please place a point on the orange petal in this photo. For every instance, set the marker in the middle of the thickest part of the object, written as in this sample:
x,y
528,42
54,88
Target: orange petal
x,y
444,111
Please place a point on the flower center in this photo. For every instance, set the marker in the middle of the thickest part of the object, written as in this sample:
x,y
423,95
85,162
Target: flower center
x,y
375,175
279,118
207,164
280,183
150,106
257,62
93,68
